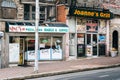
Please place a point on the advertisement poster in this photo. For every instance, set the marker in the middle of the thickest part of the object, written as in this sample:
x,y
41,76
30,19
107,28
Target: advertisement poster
x,y
80,38
102,27
92,26
31,55
102,38
14,52
45,54
89,51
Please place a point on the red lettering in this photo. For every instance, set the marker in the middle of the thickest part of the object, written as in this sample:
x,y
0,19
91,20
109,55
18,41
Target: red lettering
x,y
16,29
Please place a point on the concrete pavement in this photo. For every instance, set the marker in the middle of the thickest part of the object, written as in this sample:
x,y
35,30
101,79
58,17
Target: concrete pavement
x,y
48,68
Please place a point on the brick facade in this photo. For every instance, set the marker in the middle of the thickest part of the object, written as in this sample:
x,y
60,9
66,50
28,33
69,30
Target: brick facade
x,y
61,13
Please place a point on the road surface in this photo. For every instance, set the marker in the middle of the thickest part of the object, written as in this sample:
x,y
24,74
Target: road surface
x,y
101,74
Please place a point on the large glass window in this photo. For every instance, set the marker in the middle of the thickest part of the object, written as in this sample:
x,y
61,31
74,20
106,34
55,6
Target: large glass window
x,y
92,25
50,42
14,39
30,43
29,12
45,42
57,43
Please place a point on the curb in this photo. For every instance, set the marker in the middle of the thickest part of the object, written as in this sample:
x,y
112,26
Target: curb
x,y
38,75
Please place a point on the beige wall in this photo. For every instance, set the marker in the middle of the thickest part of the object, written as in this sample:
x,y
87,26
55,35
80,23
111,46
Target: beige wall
x,y
115,25
20,10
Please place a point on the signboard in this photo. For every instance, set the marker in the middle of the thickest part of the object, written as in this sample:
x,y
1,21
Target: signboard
x,y
17,28
91,13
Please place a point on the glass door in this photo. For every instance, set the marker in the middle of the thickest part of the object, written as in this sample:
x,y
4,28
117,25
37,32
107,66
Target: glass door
x,y
22,54
92,47
94,44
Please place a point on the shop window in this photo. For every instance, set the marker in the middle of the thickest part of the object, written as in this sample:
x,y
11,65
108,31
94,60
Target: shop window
x,y
92,26
51,42
14,39
57,43
31,44
102,37
45,42
88,39
80,38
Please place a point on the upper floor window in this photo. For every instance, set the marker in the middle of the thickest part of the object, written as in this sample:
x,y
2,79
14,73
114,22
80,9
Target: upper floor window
x,y
45,12
29,12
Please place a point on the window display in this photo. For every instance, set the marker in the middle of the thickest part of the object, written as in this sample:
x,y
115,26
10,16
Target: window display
x,y
50,47
45,42
102,38
92,25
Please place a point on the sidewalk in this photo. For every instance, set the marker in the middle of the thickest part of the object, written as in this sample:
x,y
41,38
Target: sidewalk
x,y
48,68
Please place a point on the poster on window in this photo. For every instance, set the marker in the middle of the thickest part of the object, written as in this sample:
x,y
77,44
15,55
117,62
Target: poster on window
x,y
89,50
80,40
81,24
92,26
102,38
56,54
30,55
102,27
45,54
80,28
14,52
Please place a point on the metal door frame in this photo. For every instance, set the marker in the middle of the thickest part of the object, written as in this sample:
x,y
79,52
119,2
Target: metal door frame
x,y
23,48
92,42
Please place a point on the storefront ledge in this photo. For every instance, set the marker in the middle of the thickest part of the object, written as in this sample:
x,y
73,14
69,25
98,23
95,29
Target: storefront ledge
x,y
45,74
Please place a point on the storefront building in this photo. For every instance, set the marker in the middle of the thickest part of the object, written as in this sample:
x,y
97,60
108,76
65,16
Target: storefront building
x,y
20,37
89,33
114,7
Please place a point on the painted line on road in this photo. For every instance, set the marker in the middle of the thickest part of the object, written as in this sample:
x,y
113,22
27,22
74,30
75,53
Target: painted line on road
x,y
102,76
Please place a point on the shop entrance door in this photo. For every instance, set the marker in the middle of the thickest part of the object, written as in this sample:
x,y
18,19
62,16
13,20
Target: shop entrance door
x,y
92,44
22,51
